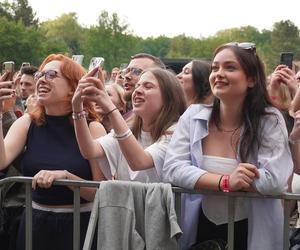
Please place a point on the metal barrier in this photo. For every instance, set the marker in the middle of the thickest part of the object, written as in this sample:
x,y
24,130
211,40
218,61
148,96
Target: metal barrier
x,y
287,197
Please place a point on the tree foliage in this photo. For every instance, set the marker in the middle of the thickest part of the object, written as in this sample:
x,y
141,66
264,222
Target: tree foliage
x,y
23,38
65,29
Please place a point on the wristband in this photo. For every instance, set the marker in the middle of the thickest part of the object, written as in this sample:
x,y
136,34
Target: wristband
x,y
219,185
109,112
79,115
225,183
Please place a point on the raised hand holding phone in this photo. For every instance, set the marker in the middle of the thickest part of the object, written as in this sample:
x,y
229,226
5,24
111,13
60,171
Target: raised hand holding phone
x,y
7,93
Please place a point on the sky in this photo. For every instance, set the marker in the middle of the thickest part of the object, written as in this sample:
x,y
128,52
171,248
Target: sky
x,y
196,18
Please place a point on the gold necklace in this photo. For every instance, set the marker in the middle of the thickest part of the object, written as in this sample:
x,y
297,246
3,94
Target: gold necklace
x,y
229,131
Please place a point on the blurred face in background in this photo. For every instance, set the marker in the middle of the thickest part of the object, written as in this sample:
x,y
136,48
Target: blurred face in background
x,y
132,74
27,85
186,79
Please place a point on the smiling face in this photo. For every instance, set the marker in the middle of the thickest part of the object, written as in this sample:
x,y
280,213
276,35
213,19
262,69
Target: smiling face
x,y
227,79
147,98
54,92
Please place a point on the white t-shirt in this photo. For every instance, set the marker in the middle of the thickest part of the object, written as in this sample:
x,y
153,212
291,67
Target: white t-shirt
x,y
115,164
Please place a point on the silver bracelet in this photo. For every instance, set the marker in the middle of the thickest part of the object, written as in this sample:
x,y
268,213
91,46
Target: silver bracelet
x,y
79,115
1,116
294,142
123,136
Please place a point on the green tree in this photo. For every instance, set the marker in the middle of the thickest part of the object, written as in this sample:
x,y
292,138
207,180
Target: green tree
x,y
67,29
159,46
23,12
111,39
284,37
19,43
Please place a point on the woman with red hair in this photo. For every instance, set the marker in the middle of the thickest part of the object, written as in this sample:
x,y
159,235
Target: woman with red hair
x,y
46,138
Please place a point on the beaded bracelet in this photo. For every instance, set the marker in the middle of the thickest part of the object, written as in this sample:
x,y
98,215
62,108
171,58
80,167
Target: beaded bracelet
x,y
123,136
79,115
225,183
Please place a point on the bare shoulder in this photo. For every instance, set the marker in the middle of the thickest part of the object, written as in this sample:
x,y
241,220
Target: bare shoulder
x,y
21,124
97,130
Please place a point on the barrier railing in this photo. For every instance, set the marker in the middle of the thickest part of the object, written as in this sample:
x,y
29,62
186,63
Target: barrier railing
x,y
287,197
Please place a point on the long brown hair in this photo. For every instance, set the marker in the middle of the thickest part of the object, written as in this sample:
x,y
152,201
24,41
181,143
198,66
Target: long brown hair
x,y
73,72
173,100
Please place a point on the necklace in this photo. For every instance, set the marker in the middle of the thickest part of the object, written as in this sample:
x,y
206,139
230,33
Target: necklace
x,y
229,131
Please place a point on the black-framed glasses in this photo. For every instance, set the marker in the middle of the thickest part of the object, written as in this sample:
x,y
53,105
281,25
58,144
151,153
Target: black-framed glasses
x,y
49,74
133,71
244,45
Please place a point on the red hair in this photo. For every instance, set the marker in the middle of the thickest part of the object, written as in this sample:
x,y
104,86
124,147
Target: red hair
x,y
73,72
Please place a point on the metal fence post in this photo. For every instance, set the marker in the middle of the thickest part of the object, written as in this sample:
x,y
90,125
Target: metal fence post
x,y
76,219
28,217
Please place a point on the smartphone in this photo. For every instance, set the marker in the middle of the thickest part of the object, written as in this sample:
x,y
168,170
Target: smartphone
x,y
78,58
286,58
96,62
10,67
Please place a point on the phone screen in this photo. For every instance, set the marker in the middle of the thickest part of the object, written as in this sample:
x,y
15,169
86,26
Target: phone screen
x,y
96,62
286,58
78,58
10,67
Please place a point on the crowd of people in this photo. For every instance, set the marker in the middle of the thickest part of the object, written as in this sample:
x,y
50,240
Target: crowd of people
x,y
219,125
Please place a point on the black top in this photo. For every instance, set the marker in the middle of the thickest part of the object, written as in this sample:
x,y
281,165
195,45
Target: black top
x,y
53,146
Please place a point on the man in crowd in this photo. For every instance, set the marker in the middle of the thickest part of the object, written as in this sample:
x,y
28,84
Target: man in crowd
x,y
27,82
136,66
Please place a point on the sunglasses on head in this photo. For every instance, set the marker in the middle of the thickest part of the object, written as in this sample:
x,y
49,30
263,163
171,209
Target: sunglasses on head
x,y
245,45
49,74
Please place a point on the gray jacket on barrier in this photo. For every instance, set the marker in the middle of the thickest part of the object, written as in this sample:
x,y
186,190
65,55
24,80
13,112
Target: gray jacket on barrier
x,y
134,215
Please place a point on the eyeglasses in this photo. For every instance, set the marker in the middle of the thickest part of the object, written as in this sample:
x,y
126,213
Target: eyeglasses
x,y
133,71
49,75
245,45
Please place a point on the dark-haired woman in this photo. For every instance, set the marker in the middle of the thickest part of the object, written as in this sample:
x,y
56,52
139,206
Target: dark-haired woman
x,y
194,79
238,144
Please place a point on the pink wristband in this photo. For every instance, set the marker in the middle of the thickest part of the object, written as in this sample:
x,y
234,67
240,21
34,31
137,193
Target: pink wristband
x,y
225,183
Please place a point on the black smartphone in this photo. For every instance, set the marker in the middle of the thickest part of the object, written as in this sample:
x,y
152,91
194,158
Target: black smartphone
x,y
10,67
96,62
286,58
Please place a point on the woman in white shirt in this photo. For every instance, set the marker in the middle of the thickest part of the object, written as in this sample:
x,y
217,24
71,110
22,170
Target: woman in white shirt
x,y
240,143
135,153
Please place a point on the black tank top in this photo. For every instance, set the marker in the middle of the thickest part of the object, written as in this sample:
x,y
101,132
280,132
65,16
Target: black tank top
x,y
53,146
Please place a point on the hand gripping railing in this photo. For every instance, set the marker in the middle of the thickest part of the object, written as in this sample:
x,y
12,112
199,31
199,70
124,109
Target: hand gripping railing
x,y
287,197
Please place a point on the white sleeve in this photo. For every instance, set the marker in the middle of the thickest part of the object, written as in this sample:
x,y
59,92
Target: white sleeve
x,y
112,154
158,151
275,163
